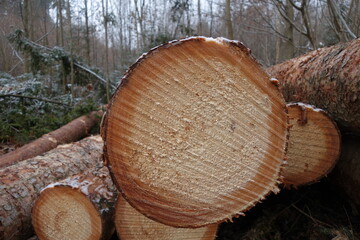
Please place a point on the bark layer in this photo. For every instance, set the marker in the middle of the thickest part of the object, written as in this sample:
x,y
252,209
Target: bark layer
x,y
71,132
132,225
196,133
80,207
328,78
314,145
20,184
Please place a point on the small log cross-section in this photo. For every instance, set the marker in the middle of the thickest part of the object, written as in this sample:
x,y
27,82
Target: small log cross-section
x,y
196,133
20,184
328,78
314,145
132,225
79,208
73,131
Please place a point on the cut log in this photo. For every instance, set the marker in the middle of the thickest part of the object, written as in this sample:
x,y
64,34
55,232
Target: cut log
x,y
196,132
328,78
314,145
80,207
20,184
71,132
132,225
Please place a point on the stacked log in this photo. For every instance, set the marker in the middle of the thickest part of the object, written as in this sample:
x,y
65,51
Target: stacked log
x,y
132,225
328,78
80,207
20,184
314,145
196,133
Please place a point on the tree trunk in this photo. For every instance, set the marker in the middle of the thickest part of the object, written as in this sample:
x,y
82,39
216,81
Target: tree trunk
x,y
132,225
314,145
196,132
20,184
71,132
87,34
79,207
229,27
328,78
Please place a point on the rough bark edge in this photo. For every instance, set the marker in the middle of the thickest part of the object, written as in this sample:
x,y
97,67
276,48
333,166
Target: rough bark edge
x,y
70,132
299,69
305,105
103,201
123,83
20,184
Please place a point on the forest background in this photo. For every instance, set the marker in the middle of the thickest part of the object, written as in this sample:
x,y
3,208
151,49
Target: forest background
x,y
60,59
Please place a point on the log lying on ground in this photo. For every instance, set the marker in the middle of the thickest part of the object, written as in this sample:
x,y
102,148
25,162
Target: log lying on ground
x,y
79,208
196,132
314,145
132,225
71,132
20,184
328,78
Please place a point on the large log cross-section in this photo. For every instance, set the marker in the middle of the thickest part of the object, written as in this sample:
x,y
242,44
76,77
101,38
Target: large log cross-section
x,y
196,133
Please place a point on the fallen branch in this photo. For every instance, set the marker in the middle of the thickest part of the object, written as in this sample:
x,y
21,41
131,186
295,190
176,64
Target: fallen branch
x,y
20,184
71,132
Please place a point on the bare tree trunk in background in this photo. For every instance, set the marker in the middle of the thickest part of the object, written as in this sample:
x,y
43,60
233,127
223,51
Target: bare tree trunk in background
x,y
45,18
229,27
140,19
287,46
87,37
72,75
61,23
105,17
26,18
199,30
211,16
342,30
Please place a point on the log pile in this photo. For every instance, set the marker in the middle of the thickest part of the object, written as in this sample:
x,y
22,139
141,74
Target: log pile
x,y
79,207
20,184
196,134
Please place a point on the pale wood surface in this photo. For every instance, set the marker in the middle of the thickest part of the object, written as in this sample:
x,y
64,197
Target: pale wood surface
x,y
20,184
196,132
132,225
80,207
314,145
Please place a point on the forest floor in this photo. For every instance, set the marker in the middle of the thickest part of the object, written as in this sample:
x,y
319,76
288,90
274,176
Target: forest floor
x,y
317,212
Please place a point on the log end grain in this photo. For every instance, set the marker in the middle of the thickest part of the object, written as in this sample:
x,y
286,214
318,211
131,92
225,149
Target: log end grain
x,y
62,212
314,145
196,132
132,225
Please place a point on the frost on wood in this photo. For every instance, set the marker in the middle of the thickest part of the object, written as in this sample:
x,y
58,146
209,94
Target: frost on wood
x,y
80,208
196,132
132,225
20,184
314,145
328,78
